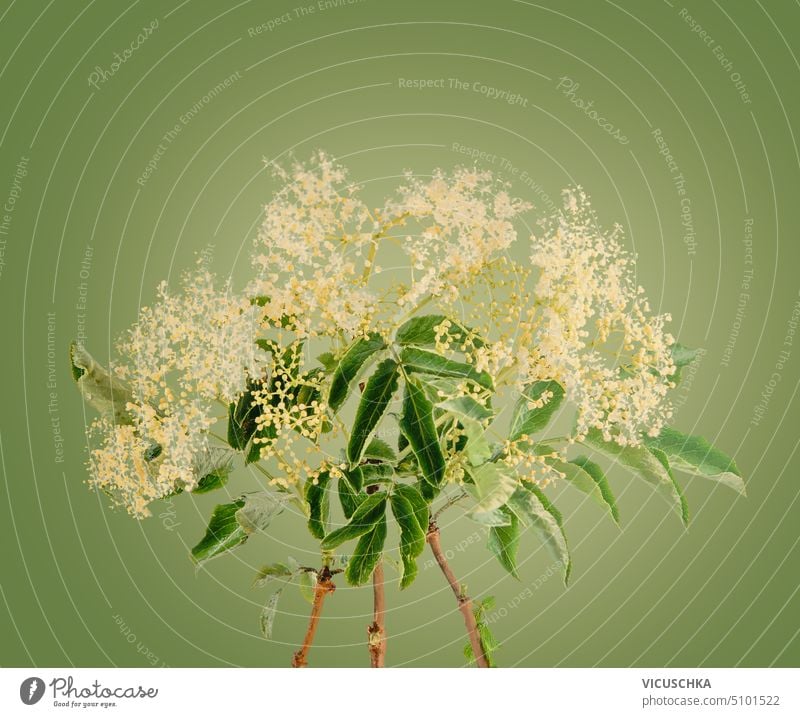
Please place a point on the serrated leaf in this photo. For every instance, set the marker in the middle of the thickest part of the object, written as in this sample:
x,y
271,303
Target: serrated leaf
x,y
377,395
491,518
600,483
329,362
318,500
647,465
367,553
107,394
526,420
211,481
363,519
231,524
349,499
494,484
267,618
418,426
411,513
504,541
353,361
466,407
421,331
242,416
536,511
379,450
416,360
695,455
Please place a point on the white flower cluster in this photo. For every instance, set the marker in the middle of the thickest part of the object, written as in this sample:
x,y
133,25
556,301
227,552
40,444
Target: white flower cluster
x,y
186,351
591,329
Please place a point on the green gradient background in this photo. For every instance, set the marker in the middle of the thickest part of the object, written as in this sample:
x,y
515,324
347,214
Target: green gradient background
x,y
723,593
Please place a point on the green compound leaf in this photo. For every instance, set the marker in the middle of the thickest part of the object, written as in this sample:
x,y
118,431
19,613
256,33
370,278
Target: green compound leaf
x,y
651,465
416,360
466,407
504,541
379,450
536,511
696,456
493,485
421,331
525,420
318,500
418,427
108,395
351,364
374,401
367,553
597,487
411,513
363,519
349,498
232,524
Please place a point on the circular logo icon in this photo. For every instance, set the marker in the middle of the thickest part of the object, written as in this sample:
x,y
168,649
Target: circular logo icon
x,y
31,690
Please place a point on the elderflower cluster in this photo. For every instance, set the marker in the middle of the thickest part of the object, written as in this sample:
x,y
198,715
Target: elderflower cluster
x,y
186,351
591,328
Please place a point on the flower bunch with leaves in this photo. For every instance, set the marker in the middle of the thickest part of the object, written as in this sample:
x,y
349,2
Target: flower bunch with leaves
x,y
366,396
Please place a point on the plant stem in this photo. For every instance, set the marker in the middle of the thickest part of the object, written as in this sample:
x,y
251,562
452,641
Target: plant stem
x,y
321,589
376,632
463,600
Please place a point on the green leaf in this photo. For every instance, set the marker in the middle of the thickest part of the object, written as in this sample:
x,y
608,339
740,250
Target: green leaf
x,y
318,500
307,582
379,450
367,553
349,499
211,481
418,360
466,407
242,418
418,426
411,513
491,518
273,571
525,420
682,356
695,455
105,393
363,519
599,483
353,361
267,618
421,331
534,509
662,458
477,449
494,483
504,541
647,465
329,362
367,474
232,524
374,401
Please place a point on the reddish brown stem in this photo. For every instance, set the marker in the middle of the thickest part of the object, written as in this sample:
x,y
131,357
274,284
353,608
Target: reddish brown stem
x,y
376,632
321,589
464,602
